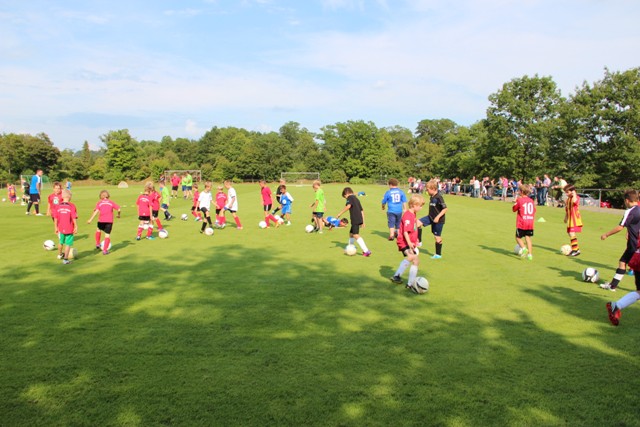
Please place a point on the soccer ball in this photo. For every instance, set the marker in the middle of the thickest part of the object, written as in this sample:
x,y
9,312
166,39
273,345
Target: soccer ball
x,y
421,285
163,234
102,245
145,227
4,200
565,249
416,250
590,275
48,245
517,250
278,218
184,217
350,250
309,228
73,253
208,231
262,224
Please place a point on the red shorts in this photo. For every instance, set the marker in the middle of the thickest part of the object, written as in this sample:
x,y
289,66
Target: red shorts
x,y
574,229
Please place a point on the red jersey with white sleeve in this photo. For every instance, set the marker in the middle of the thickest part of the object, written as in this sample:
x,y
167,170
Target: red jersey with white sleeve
x,y
410,225
266,196
65,214
221,200
196,194
144,205
155,200
105,208
526,212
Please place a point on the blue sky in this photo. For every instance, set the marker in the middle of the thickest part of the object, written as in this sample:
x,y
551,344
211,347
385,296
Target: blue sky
x,y
77,69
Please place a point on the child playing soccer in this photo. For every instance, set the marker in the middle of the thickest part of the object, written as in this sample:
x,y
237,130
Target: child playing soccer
x,y
526,210
66,225
396,201
11,193
105,208
333,222
232,203
267,203
436,217
630,220
204,205
54,200
194,208
144,212
572,218
165,200
357,219
278,194
154,197
408,242
285,201
318,206
221,202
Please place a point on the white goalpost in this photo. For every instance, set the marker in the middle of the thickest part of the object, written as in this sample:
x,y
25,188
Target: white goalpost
x,y
300,179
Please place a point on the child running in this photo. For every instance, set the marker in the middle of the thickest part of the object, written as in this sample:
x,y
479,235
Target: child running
x,y
435,218
204,205
407,243
285,201
267,203
526,210
232,203
357,219
221,202
396,203
11,193
105,208
154,197
194,208
66,225
144,212
572,218
165,200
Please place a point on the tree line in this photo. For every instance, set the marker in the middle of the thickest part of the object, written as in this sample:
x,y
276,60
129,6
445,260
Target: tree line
x,y
591,138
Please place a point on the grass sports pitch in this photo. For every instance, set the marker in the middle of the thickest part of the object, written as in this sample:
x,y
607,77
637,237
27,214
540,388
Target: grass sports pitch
x,y
260,327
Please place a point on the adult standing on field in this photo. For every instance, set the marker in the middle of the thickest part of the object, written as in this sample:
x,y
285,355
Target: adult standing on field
x,y
189,183
34,192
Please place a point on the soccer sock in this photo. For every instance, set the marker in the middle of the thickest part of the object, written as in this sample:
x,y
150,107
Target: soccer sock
x,y
351,241
97,238
29,206
362,244
107,242
627,300
150,230
204,225
419,234
37,207
209,220
402,267
140,230
574,244
617,277
413,273
439,249
158,223
273,218
237,220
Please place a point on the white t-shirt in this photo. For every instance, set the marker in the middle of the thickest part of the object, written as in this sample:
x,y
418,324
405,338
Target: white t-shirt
x,y
204,200
232,200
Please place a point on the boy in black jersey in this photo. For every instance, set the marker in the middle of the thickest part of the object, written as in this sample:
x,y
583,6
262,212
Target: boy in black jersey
x,y
437,211
357,219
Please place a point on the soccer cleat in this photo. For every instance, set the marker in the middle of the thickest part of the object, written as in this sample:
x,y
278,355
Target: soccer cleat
x,y
105,252
607,286
137,237
97,247
412,289
238,228
614,314
150,238
524,252
574,253
27,213
38,214
368,253
529,257
436,256
66,261
396,279
288,222
59,256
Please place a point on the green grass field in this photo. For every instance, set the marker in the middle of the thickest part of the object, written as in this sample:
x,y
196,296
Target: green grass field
x,y
277,327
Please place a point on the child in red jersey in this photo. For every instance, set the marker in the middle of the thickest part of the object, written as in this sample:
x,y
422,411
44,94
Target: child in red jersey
x,y
194,208
11,193
267,203
66,225
408,242
155,197
144,212
526,210
572,218
105,208
221,202
54,200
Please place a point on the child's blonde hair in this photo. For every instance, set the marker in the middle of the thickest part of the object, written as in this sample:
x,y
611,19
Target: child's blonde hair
x,y
104,194
66,194
316,183
416,200
525,189
432,185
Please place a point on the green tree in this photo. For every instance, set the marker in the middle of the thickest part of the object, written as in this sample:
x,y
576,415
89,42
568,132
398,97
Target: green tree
x,y
122,156
521,121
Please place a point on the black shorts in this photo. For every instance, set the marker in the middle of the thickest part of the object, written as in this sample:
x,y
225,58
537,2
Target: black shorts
x,y
35,198
144,218
267,208
626,256
155,213
204,210
174,187
520,233
355,229
404,250
105,226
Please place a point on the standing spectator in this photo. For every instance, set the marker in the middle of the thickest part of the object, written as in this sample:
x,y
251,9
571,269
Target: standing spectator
x,y
572,218
476,187
396,201
34,192
504,183
537,184
544,189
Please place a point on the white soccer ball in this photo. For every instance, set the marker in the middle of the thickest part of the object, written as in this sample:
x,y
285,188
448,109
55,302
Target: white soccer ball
x,y
309,228
145,227
590,275
184,217
73,253
163,234
565,249
350,250
262,224
49,245
102,245
4,200
416,250
421,285
208,231
517,250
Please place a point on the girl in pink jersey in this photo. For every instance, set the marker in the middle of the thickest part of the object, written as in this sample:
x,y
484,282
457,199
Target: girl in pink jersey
x,y
105,208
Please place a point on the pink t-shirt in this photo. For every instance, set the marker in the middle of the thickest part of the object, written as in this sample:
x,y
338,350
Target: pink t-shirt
x,y
144,205
526,213
65,214
266,196
106,207
407,224
221,200
155,200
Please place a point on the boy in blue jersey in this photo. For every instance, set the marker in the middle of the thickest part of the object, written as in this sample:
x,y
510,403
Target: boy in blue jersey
x,y
397,204
333,222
